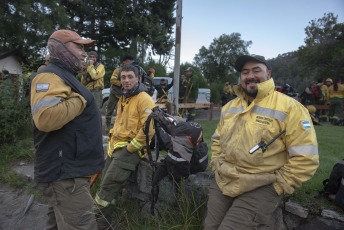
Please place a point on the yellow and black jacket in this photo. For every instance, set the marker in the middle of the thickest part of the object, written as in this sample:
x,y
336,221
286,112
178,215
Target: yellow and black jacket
x,y
288,161
67,126
132,113
94,77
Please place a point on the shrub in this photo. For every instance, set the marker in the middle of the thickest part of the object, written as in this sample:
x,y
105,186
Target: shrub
x,y
14,112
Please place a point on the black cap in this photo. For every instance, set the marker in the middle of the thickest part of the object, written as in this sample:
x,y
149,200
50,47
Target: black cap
x,y
188,69
240,62
127,57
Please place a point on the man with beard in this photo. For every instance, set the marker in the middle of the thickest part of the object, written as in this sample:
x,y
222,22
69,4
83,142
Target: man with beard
x,y
127,141
250,175
67,134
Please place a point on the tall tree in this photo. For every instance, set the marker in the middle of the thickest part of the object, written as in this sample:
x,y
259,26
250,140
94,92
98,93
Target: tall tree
x,y
217,61
323,52
26,25
119,25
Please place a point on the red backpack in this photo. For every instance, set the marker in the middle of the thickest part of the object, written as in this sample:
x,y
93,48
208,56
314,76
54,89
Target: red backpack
x,y
317,93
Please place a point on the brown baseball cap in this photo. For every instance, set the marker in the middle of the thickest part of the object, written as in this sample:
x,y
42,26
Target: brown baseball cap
x,y
70,36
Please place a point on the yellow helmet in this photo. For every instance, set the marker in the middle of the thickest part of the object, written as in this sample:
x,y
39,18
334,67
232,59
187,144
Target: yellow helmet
x,y
329,80
311,109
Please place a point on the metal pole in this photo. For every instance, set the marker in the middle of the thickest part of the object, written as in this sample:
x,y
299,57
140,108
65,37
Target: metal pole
x,y
177,57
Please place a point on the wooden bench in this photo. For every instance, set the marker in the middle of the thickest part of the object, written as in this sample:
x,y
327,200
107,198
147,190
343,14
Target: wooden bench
x,y
323,107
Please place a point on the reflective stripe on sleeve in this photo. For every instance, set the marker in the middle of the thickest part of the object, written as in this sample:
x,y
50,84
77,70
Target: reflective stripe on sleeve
x,y
117,146
101,202
302,149
136,144
45,102
140,154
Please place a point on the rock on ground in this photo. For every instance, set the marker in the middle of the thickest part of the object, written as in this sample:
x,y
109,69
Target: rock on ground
x,y
13,203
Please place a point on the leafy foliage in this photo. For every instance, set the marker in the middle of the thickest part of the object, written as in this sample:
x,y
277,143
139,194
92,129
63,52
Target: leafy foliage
x,y
323,52
217,61
117,26
14,112
285,70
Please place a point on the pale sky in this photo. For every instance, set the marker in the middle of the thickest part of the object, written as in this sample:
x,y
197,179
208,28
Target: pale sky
x,y
274,26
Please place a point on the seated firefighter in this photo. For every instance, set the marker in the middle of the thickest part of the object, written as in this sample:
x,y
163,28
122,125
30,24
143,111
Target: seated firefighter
x,y
127,141
258,147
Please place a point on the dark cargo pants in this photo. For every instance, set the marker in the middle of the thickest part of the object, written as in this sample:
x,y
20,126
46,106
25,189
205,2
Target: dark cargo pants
x,y
191,111
70,204
117,170
112,103
98,96
251,210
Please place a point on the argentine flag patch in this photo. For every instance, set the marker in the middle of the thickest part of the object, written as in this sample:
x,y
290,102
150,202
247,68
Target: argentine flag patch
x,y
306,124
42,87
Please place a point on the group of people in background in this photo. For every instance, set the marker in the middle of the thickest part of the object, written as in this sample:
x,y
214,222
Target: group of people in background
x,y
329,92
247,186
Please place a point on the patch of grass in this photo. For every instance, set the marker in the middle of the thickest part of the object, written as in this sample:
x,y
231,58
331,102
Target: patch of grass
x,y
22,150
130,214
330,142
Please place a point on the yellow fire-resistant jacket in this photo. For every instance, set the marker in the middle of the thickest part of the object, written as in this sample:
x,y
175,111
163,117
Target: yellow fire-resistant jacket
x,y
59,99
132,113
95,77
287,162
336,93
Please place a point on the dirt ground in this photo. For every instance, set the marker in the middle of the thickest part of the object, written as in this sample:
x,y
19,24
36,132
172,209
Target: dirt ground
x,y
13,201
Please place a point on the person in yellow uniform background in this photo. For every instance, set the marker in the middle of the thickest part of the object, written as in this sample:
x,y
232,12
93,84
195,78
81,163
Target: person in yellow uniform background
x,y
336,94
93,77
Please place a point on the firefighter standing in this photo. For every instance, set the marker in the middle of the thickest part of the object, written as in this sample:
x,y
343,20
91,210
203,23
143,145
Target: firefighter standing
x,y
67,134
93,77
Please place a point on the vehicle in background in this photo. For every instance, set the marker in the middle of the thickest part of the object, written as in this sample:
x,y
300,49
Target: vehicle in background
x,y
203,93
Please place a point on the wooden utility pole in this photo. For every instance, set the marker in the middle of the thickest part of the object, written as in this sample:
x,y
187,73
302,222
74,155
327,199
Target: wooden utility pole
x,y
177,58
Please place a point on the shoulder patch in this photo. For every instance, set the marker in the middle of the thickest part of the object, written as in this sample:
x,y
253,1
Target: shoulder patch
x,y
42,87
306,124
148,111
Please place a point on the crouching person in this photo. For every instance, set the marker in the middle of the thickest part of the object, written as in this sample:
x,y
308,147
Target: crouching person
x,y
126,142
250,180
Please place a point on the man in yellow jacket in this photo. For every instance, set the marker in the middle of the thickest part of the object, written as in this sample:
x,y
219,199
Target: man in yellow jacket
x,y
93,77
251,177
127,141
115,91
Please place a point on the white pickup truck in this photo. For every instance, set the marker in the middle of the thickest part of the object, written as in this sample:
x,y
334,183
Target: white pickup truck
x,y
203,93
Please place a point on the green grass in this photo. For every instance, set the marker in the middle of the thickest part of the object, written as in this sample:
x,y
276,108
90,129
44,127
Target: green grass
x,y
330,140
9,154
130,214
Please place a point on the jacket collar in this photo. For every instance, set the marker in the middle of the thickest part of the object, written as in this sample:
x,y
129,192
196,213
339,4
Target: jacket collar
x,y
265,88
136,90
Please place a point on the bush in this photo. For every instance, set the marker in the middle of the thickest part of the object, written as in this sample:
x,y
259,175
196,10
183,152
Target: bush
x,y
216,91
14,112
